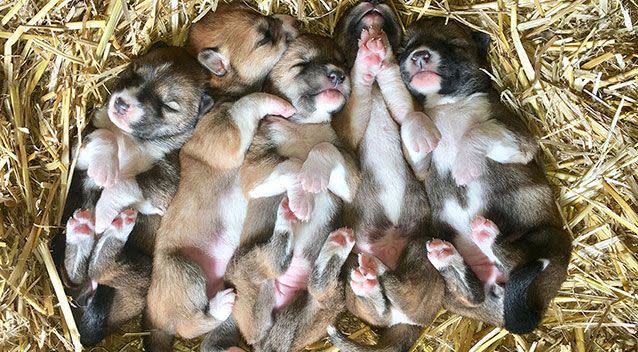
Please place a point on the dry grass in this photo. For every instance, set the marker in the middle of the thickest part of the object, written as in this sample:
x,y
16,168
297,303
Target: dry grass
x,y
568,67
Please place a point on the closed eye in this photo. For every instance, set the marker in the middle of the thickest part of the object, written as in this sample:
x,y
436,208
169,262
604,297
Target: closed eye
x,y
267,38
172,106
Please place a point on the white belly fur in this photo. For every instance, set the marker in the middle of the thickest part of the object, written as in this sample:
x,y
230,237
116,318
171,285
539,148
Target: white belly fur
x,y
384,157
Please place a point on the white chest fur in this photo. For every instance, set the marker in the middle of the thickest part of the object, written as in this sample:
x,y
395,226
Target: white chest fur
x,y
383,157
454,118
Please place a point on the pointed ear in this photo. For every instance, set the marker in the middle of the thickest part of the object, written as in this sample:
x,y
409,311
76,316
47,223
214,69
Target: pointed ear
x,y
214,61
482,41
206,103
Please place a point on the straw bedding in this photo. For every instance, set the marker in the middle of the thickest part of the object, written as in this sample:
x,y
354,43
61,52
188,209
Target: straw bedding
x,y
569,68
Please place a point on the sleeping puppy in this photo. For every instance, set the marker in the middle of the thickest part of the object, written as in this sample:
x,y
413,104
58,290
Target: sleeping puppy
x,y
287,280
490,200
392,284
201,228
128,160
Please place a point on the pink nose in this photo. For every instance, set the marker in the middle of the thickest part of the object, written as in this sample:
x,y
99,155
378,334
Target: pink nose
x,y
120,106
421,58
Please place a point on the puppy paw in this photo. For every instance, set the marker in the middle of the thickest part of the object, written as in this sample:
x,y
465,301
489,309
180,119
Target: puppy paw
x,y
372,51
419,134
300,202
104,170
80,227
364,279
222,304
484,232
442,254
314,176
340,241
122,225
280,107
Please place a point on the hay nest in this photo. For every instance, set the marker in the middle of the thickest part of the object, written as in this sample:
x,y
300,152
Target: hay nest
x,y
569,68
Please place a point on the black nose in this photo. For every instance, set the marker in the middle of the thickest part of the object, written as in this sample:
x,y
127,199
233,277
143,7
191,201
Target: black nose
x,y
421,57
120,105
336,77
374,2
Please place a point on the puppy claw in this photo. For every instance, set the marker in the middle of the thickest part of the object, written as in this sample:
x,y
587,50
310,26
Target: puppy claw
x,y
80,227
221,306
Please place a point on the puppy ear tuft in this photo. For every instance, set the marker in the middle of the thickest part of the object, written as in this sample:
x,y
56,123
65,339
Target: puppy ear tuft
x,y
214,61
482,41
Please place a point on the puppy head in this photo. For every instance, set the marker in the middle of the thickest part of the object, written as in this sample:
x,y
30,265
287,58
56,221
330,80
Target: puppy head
x,y
444,59
145,102
312,76
369,14
240,46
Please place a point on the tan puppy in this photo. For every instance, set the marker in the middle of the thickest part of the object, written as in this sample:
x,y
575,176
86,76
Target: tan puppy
x,y
201,228
287,281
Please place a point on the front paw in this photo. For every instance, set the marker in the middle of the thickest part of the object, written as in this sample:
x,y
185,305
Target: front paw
x,y
372,51
314,176
301,203
419,134
104,171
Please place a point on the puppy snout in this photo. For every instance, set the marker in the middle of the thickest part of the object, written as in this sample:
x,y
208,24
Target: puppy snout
x,y
336,77
421,58
374,2
120,105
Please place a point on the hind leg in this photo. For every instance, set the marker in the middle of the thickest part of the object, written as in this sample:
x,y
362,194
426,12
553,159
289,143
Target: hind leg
x,y
459,278
325,274
111,243
80,238
225,338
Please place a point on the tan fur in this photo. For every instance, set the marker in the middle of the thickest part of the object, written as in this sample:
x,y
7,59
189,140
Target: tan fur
x,y
208,210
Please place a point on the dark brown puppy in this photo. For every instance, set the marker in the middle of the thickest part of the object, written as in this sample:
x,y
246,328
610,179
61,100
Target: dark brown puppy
x,y
484,169
392,284
287,281
201,228
128,160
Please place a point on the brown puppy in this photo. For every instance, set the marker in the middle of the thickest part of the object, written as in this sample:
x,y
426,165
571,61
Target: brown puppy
x,y
128,159
392,284
483,168
287,281
201,228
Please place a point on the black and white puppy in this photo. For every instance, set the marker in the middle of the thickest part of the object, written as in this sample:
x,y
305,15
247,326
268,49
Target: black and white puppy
x,y
127,163
483,168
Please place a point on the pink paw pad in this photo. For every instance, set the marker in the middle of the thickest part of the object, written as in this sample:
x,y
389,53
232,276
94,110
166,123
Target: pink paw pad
x,y
363,279
342,237
484,231
127,217
80,225
441,253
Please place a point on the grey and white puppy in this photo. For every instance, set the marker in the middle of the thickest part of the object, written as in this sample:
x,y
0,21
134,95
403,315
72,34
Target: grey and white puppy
x,y
287,280
391,283
483,168
128,160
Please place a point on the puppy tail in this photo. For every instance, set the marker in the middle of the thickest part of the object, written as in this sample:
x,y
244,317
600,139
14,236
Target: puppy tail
x,y
528,292
397,338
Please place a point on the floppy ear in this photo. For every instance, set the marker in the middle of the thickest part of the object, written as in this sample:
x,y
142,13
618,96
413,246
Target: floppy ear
x,y
482,41
205,104
214,61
